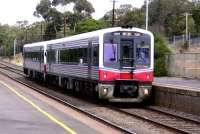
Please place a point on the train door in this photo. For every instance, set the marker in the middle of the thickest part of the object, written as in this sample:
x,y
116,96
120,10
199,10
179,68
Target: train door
x,y
49,62
127,53
127,56
41,59
89,56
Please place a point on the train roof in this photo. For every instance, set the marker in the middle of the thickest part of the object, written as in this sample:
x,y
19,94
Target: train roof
x,y
86,35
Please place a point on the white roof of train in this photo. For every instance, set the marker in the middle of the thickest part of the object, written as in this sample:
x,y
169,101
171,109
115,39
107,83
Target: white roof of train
x,y
86,35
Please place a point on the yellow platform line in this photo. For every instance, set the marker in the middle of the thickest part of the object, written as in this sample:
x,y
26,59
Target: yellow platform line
x,y
49,116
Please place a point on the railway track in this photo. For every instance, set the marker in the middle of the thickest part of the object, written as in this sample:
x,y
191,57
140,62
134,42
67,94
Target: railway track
x,y
4,66
163,119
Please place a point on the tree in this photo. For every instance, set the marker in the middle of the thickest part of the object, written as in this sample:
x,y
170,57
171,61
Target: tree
x,y
134,17
82,9
166,14
161,50
88,25
53,18
196,17
80,6
72,19
119,15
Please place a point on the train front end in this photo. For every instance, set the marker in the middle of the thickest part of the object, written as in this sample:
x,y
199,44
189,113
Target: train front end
x,y
126,72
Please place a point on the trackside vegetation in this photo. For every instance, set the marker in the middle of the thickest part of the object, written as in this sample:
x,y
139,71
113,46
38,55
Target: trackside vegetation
x,y
161,50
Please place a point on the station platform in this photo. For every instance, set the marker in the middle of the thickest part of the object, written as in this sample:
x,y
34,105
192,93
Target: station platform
x,y
27,112
180,94
191,84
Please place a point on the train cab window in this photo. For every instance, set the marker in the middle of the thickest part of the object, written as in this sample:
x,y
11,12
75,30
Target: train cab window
x,y
143,52
110,50
110,55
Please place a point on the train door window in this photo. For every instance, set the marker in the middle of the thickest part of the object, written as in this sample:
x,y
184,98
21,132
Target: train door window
x,y
127,53
42,56
89,53
51,56
84,50
95,55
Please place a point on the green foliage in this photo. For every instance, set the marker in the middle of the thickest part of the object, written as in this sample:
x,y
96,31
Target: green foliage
x,y
7,36
72,19
53,18
133,17
83,7
121,15
88,25
160,67
167,16
196,17
80,6
161,50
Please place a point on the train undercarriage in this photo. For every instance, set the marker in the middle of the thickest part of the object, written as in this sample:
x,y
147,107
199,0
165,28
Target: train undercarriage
x,y
114,91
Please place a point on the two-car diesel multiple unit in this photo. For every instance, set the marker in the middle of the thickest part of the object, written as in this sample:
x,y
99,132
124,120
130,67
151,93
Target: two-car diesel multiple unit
x,y
114,63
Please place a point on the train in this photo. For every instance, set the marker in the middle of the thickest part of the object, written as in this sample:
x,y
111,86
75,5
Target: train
x,y
114,64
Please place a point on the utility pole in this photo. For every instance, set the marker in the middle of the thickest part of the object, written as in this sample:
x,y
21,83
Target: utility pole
x,y
14,50
113,13
186,26
26,34
147,13
41,33
64,26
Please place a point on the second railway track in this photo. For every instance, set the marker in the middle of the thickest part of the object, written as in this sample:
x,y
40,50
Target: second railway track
x,y
173,123
164,119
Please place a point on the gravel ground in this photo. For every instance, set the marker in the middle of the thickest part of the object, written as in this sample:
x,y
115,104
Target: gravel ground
x,y
96,107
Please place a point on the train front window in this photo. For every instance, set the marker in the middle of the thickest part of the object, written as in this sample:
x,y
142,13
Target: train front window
x,y
142,53
111,44
127,50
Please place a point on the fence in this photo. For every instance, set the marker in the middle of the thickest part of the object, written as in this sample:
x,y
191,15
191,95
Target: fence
x,y
183,65
178,41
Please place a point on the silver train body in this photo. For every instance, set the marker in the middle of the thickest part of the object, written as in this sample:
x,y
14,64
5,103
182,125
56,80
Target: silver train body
x,y
94,63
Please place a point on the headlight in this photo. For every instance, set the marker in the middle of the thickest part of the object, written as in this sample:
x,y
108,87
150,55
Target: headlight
x,y
105,91
146,92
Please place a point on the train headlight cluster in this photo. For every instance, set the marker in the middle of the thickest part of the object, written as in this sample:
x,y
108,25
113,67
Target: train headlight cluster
x,y
105,91
146,92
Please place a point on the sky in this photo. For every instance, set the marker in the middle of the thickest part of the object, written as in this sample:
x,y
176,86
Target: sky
x,y
12,11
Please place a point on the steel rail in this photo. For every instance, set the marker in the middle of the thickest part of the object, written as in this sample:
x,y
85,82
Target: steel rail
x,y
95,117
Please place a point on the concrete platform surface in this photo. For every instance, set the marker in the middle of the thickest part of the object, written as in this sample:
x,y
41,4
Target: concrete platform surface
x,y
24,113
177,93
182,82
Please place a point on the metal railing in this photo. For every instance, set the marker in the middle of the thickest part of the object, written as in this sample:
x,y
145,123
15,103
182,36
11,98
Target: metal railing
x,y
178,41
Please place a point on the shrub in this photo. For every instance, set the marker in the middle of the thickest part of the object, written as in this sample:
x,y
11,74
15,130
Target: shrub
x,y
161,50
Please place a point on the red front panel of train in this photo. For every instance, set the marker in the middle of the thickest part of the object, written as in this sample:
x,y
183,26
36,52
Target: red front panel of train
x,y
105,75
